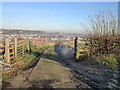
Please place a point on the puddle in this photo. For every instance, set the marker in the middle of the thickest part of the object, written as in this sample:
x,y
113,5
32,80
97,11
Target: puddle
x,y
65,51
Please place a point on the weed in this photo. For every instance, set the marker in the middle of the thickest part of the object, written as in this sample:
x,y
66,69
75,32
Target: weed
x,y
110,60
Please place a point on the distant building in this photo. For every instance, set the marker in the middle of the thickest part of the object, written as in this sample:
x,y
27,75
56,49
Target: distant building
x,y
1,35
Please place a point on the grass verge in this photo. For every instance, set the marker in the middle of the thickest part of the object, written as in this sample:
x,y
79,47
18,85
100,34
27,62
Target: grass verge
x,y
109,60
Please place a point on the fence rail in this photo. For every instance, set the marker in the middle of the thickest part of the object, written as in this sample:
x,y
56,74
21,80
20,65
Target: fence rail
x,y
81,48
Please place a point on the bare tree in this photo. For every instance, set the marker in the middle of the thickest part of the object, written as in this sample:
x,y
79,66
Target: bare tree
x,y
103,32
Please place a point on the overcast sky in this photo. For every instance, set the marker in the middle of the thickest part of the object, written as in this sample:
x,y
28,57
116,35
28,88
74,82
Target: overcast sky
x,y
51,16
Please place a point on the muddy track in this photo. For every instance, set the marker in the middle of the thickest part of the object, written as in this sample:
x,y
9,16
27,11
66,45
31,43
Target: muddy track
x,y
31,67
55,70
80,77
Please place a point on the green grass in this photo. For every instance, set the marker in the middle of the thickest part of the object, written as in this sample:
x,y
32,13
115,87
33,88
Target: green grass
x,y
43,48
118,59
29,58
2,41
51,50
109,60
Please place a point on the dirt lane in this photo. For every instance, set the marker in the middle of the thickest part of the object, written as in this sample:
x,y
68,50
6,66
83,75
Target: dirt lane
x,y
57,69
50,72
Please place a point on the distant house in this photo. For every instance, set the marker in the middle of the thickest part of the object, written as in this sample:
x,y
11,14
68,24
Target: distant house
x,y
1,35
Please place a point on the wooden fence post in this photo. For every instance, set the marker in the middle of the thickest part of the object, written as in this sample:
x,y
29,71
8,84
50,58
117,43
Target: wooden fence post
x,y
7,51
75,48
15,48
23,48
29,47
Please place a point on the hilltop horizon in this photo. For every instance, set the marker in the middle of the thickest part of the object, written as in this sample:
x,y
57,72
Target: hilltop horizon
x,y
40,31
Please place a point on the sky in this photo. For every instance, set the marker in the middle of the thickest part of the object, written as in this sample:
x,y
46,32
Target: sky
x,y
51,16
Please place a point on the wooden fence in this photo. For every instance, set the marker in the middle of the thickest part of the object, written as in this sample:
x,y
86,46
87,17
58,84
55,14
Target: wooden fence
x,y
81,48
12,50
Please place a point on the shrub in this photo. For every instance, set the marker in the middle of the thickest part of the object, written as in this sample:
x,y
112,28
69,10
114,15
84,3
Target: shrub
x,y
118,59
103,32
110,60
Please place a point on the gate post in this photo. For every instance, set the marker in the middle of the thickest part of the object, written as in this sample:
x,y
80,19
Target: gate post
x,y
7,51
15,48
23,48
75,48
29,47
